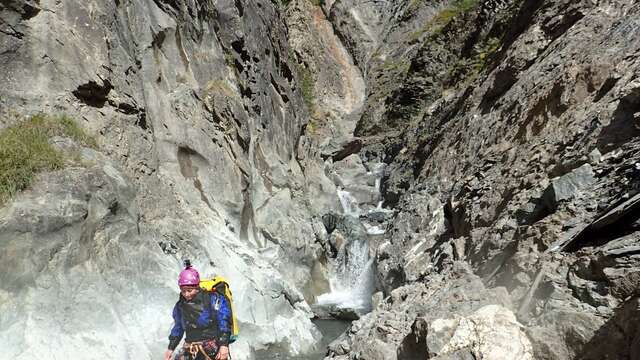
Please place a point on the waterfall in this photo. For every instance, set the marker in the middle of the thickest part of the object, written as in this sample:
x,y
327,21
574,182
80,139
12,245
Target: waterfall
x,y
351,279
349,203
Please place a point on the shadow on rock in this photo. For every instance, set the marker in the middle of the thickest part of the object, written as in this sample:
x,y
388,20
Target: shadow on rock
x,y
618,338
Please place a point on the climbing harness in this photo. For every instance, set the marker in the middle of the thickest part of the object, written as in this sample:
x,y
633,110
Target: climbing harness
x,y
194,348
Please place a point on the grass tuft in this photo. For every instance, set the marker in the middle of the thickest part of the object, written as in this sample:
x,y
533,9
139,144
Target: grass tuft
x,y
25,150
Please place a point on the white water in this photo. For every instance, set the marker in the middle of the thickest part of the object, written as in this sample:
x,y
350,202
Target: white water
x,y
374,229
349,203
351,278
351,294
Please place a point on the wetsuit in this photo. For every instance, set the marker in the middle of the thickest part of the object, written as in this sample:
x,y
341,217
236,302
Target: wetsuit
x,y
206,317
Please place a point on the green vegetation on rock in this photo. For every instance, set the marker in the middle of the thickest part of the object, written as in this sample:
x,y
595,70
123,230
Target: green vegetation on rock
x,y
25,150
454,9
444,17
484,53
306,86
398,66
468,69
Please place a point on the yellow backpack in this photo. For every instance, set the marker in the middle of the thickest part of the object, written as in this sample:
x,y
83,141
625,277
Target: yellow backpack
x,y
221,286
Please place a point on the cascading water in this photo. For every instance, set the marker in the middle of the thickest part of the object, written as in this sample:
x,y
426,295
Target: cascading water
x,y
349,203
351,278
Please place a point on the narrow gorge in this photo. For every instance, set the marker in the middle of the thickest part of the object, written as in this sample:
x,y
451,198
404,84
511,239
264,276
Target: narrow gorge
x,y
441,179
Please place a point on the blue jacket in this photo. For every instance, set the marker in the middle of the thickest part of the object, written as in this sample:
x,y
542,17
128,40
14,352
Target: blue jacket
x,y
207,316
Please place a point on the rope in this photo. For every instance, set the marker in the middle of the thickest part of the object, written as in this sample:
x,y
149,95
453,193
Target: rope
x,y
194,348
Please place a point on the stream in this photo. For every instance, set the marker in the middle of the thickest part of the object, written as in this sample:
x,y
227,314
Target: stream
x,y
330,330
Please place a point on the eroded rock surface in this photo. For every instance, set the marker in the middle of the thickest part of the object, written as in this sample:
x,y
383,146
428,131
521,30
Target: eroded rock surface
x,y
198,112
511,145
486,152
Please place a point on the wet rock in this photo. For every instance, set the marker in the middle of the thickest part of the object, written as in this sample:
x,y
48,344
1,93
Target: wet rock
x,y
337,312
384,332
351,176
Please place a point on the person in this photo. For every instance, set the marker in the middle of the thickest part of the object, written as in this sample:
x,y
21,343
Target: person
x,y
204,316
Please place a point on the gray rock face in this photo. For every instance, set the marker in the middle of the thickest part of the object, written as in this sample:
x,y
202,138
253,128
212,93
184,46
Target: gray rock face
x,y
491,164
510,136
566,187
199,107
334,87
389,331
359,24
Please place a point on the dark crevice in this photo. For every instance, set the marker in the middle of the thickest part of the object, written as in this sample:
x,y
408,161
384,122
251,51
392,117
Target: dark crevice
x,y
286,71
238,66
125,108
605,88
113,208
621,221
246,216
142,120
506,197
414,345
244,144
280,92
29,11
559,25
93,94
239,6
504,79
14,33
392,195
158,39
246,92
623,125
238,47
421,157
537,210
26,8
455,220
351,147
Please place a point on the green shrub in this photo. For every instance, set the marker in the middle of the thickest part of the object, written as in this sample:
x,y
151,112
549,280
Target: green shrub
x,y
25,150
465,70
307,86
484,52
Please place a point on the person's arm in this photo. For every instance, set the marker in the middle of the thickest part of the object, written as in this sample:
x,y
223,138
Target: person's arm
x,y
177,331
223,315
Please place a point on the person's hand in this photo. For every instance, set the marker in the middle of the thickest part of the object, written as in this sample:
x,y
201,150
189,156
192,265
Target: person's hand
x,y
167,354
223,353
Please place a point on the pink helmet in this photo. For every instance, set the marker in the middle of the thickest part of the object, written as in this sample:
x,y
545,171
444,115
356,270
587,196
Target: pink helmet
x,y
189,276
